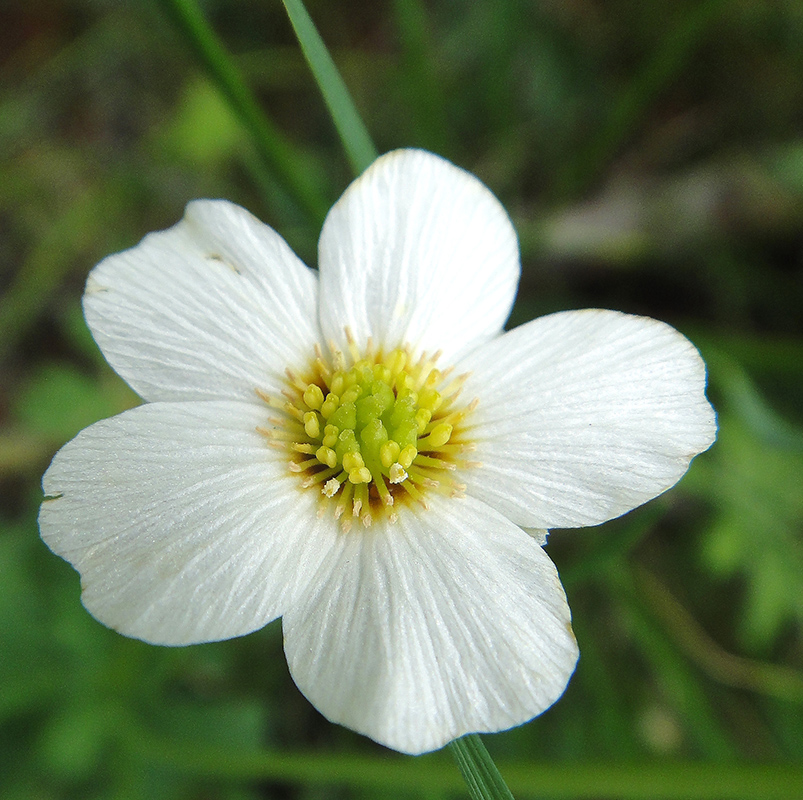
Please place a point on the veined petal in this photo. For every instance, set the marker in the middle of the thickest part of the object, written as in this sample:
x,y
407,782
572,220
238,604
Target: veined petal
x,y
184,524
449,621
584,415
211,308
417,251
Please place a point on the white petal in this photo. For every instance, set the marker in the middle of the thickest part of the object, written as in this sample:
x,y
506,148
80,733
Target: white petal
x,y
211,308
417,251
184,524
539,534
449,621
584,415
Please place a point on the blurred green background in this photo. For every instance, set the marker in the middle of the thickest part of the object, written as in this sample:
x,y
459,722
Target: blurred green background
x,y
651,156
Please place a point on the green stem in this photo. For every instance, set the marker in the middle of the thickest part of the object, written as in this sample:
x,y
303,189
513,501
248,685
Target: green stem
x,y
273,149
350,127
478,769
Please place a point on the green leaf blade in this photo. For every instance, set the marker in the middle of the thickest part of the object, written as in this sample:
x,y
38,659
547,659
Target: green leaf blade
x,y
350,127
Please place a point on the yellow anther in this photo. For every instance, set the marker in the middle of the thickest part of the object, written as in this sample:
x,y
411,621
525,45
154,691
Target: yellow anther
x,y
397,473
352,462
313,396
330,433
382,373
433,378
351,395
360,475
396,361
407,456
422,418
329,405
312,425
429,398
337,384
326,456
302,447
440,434
388,453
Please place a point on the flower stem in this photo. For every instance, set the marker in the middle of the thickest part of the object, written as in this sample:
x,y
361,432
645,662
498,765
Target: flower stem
x,y
478,769
274,150
350,127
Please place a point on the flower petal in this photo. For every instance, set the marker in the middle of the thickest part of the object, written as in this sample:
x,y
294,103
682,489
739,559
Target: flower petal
x,y
584,415
211,308
184,524
449,621
417,251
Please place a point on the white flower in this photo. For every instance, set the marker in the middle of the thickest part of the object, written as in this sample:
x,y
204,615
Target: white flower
x,y
267,475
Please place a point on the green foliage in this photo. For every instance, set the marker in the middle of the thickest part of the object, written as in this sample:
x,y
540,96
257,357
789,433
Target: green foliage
x,y
753,480
650,155
204,133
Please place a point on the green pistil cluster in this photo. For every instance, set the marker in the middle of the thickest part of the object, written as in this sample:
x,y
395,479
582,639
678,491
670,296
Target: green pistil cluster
x,y
367,431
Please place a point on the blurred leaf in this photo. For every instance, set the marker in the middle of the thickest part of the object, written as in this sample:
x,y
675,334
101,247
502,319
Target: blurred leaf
x,y
59,401
71,744
770,679
420,81
49,261
204,131
18,618
665,63
678,682
786,163
239,723
753,476
389,775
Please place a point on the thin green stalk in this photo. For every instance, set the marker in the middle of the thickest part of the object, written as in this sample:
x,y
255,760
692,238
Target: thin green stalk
x,y
478,769
274,150
350,127
701,716
774,680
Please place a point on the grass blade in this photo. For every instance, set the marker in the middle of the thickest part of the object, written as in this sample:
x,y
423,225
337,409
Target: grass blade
x,y
350,127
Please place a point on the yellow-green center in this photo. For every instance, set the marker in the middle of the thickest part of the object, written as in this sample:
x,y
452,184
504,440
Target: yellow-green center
x,y
371,429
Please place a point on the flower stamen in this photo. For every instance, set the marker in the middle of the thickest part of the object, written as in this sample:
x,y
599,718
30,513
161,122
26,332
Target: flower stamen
x,y
375,427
